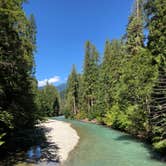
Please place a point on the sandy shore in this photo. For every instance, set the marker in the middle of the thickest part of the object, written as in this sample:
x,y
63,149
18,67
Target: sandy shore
x,y
63,135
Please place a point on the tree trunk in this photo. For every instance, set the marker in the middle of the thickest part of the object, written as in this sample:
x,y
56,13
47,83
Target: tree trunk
x,y
137,9
75,112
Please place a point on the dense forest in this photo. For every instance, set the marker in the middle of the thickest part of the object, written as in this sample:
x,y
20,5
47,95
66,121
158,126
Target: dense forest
x,y
127,88
22,104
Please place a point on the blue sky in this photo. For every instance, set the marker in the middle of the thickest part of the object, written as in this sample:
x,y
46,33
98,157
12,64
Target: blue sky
x,y
64,26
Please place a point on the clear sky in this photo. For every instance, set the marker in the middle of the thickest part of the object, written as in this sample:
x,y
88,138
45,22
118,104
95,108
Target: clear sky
x,y
63,27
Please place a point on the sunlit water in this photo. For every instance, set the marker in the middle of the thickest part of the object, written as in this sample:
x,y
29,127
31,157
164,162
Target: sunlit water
x,y
101,146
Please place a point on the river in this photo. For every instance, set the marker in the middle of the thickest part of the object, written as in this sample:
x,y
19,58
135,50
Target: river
x,y
101,146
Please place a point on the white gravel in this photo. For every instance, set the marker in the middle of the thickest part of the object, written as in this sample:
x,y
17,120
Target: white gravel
x,y
63,135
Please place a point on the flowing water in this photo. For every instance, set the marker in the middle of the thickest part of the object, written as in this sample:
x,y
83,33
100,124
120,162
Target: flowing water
x,y
101,146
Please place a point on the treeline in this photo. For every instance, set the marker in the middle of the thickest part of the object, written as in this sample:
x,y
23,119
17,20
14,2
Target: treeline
x,y
48,101
127,89
22,105
18,85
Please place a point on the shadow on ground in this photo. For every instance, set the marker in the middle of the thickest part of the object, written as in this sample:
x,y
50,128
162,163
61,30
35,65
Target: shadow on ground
x,y
48,150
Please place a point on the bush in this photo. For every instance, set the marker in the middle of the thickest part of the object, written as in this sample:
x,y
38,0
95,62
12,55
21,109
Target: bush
x,y
160,146
111,117
100,120
80,115
67,113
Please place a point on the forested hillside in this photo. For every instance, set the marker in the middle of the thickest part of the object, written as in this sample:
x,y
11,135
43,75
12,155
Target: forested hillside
x,y
127,89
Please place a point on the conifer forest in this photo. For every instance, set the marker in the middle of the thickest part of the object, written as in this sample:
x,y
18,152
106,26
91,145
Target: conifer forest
x,y
123,88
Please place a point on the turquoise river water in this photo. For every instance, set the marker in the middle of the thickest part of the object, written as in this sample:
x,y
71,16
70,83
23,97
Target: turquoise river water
x,y
101,146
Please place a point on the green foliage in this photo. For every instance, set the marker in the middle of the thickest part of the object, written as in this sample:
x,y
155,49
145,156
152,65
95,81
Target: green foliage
x,y
6,118
160,146
156,21
1,136
109,74
80,115
133,91
48,101
89,78
111,116
120,91
156,15
134,35
18,109
72,93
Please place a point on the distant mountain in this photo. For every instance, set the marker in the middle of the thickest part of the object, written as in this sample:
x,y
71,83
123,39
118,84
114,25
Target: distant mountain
x,y
40,88
61,87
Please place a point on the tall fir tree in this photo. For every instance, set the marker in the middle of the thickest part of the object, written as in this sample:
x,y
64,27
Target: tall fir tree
x,y
134,34
155,12
104,81
72,97
109,74
48,101
156,24
90,78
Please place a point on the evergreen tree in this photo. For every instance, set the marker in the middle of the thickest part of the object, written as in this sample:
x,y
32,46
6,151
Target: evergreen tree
x,y
104,81
17,83
156,11
72,93
49,101
109,74
90,79
134,35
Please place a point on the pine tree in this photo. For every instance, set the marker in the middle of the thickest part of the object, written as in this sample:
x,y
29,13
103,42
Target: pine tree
x,y
72,99
156,12
134,36
49,101
90,79
104,81
109,74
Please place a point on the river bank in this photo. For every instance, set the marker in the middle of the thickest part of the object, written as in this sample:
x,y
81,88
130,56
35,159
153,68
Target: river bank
x,y
63,135
53,142
161,157
100,145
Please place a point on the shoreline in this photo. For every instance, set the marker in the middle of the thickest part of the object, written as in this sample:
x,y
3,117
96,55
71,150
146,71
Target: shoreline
x,y
159,157
63,136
